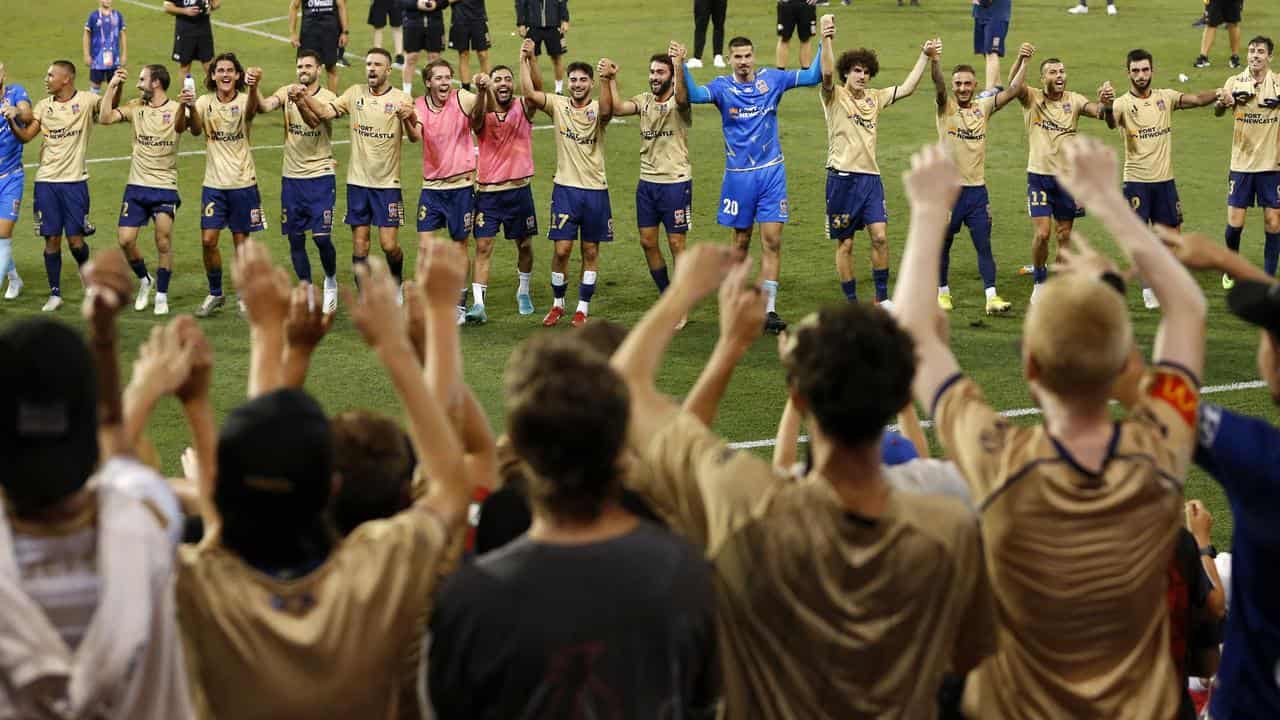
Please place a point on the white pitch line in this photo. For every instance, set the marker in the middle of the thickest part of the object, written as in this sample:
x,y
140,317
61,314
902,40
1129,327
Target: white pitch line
x,y
1019,412
264,21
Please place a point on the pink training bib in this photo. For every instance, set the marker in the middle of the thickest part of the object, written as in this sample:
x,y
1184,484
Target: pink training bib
x,y
506,146
446,139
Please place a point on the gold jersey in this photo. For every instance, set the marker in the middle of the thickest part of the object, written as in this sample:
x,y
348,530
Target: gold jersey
x,y
1050,126
664,139
963,130
1147,124
155,143
229,159
851,127
579,144
308,151
1255,144
376,134
65,126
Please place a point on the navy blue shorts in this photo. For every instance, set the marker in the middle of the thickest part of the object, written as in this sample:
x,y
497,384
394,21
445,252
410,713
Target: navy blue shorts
x,y
1155,202
753,196
988,37
11,195
379,207
306,205
1244,189
97,77
454,209
512,210
668,203
238,210
972,208
62,208
854,201
579,213
1045,197
140,204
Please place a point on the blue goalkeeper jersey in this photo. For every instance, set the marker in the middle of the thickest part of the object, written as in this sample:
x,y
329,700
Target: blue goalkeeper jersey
x,y
1243,455
10,146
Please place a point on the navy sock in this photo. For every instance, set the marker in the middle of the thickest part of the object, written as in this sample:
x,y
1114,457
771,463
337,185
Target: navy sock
x,y
53,270
660,278
215,282
559,290
81,254
850,288
1232,236
881,279
298,254
986,261
1040,273
328,254
139,268
395,263
944,268
162,279
586,291
1271,253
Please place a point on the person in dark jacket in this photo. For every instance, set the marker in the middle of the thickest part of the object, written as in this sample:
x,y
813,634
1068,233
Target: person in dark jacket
x,y
545,22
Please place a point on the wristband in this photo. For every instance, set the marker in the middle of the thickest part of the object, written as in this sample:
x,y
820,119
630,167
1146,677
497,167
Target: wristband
x,y
1113,279
1209,551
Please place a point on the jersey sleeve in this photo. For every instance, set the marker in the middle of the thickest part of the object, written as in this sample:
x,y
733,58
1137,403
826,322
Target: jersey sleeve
x,y
886,96
1165,414
973,433
466,101
127,110
90,22
41,107
986,104
202,107
1241,452
342,104
20,95
281,94
1172,97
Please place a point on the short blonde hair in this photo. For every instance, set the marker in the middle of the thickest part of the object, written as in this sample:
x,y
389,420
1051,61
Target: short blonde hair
x,y
1079,335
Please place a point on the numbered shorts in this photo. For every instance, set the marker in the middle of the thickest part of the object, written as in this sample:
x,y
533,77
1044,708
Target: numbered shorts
x,y
453,209
239,210
854,201
62,208
379,207
140,204
798,17
972,208
11,195
1045,198
988,36
306,205
753,196
668,203
1247,189
512,210
578,213
1155,202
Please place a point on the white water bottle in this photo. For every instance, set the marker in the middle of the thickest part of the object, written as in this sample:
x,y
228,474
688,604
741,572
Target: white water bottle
x,y
189,84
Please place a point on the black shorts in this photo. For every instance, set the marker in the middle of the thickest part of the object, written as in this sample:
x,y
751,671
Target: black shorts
x,y
321,36
383,11
192,47
553,38
430,38
464,36
1224,12
797,17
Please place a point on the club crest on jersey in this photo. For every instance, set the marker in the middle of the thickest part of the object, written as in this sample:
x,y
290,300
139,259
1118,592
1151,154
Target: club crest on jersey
x,y
75,107
167,118
1160,104
389,108
1066,107
762,86
235,109
591,116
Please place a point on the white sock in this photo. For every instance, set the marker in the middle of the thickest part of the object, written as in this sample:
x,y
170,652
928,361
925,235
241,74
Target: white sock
x,y
771,295
559,86
6,257
524,283
991,292
584,307
944,289
162,297
408,87
330,282
477,293
557,280
589,277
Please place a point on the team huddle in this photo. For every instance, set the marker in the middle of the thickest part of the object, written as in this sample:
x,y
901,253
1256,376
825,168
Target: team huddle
x,y
477,163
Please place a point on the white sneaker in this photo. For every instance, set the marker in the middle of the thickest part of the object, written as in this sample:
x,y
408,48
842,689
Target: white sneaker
x,y
695,62
330,297
462,315
1111,10
144,294
15,287
53,303
1079,10
719,61
400,295
161,304
886,305
1035,290
240,306
210,304
1149,299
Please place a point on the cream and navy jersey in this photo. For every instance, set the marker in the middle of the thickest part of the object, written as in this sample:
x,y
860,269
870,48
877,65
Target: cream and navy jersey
x,y
664,139
963,130
579,143
376,133
1051,124
65,126
229,160
1255,143
155,143
308,151
851,127
1147,124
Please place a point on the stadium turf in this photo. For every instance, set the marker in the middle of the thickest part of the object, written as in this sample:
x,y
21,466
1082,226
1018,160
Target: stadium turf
x,y
346,375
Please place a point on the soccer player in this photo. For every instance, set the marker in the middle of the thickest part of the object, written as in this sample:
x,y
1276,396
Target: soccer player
x,y
381,116
447,200
308,191
469,32
62,183
152,190
664,193
325,30
192,32
545,22
381,14
423,31
1051,116
105,44
1145,116
990,26
1216,14
708,12
503,124
1254,98
855,192
795,17
229,197
580,195
962,119
754,189
15,114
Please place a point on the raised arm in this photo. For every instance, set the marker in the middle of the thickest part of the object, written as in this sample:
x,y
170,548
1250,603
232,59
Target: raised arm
x,y
124,47
787,439
1101,109
108,112
740,311
484,97
1225,102
309,116
304,328
1186,101
939,85
1017,76
812,75
195,123
607,70
252,78
928,51
530,80
322,110
163,364
409,121
84,45
264,288
698,94
1091,178
678,53
827,54
268,104
109,286
1200,252
609,86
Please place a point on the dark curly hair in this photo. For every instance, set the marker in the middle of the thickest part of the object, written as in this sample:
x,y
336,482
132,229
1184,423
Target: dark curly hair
x,y
858,56
375,460
853,365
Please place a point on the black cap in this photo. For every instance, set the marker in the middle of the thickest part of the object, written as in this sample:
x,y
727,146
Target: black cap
x,y
275,459
1256,302
48,413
